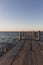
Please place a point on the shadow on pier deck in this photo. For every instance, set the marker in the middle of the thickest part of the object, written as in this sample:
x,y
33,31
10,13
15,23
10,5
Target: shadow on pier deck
x,y
26,52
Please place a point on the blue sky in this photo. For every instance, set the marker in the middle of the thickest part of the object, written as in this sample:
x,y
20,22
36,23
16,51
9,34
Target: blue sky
x,y
18,15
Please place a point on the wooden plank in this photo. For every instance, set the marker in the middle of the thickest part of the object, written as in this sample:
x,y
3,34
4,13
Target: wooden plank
x,y
36,55
20,58
27,58
9,57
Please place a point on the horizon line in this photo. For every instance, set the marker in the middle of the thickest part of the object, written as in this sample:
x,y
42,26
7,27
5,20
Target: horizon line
x,y
23,31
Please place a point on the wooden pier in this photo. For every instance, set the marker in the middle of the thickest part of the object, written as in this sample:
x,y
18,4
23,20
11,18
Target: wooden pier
x,y
27,52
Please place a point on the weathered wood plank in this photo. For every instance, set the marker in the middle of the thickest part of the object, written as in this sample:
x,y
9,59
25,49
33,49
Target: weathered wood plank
x,y
36,54
9,57
20,58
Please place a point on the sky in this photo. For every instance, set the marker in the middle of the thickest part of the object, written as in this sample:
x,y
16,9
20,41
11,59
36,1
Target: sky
x,y
21,15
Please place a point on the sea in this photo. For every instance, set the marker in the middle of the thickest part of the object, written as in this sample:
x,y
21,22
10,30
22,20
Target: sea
x,y
41,35
12,38
8,37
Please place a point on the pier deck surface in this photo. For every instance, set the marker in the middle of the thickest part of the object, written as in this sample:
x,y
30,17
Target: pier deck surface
x,y
26,52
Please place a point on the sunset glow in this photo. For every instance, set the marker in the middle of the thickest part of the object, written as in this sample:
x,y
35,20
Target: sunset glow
x,y
21,15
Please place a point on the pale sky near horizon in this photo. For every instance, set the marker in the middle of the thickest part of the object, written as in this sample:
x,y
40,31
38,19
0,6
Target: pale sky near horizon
x,y
21,15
